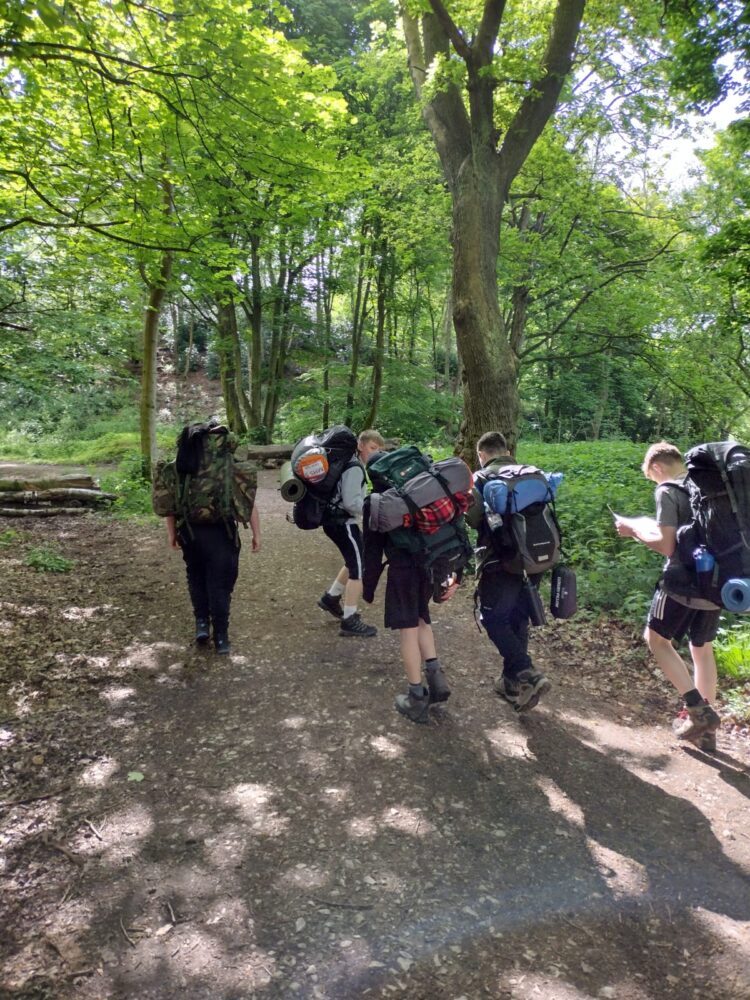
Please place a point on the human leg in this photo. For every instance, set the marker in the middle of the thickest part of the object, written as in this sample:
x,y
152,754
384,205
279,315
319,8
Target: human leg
x,y
704,663
348,540
221,551
195,569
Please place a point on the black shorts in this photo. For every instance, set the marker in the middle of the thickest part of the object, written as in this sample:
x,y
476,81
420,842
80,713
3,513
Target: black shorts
x,y
348,540
672,620
407,595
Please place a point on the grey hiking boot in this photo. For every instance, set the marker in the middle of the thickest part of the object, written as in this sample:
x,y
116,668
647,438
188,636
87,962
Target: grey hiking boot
x,y
437,684
695,722
416,709
202,631
707,743
353,625
533,685
508,689
331,604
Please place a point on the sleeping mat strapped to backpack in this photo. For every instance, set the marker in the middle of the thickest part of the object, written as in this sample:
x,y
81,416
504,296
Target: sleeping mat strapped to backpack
x,y
319,461
519,510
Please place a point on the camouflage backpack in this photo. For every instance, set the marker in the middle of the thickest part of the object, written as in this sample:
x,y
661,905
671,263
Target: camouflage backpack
x,y
221,489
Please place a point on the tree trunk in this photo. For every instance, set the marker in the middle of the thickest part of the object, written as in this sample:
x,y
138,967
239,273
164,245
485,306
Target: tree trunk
x,y
156,293
358,322
256,327
377,364
602,396
230,370
479,172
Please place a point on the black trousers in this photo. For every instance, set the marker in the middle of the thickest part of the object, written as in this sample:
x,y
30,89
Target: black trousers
x,y
211,554
505,614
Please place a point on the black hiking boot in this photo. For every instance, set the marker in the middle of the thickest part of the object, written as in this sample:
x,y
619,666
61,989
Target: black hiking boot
x,y
331,604
416,709
437,684
353,625
202,631
221,643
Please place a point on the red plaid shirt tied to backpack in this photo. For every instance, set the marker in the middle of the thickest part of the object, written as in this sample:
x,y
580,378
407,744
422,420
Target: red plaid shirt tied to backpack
x,y
431,517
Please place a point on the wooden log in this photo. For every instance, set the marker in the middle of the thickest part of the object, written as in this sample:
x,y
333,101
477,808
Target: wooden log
x,y
268,451
49,483
42,496
41,511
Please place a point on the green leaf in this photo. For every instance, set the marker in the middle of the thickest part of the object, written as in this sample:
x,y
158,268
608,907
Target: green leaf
x,y
135,776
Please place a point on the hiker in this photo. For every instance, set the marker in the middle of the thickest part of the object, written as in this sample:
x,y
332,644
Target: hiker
x,y
412,579
191,494
672,615
506,601
340,525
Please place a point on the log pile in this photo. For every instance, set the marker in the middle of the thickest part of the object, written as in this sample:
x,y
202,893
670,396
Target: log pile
x,y
71,494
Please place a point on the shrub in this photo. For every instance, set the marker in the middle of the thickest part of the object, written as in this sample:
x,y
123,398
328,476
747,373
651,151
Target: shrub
x,y
47,560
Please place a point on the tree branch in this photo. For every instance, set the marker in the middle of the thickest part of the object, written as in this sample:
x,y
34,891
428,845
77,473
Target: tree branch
x,y
540,102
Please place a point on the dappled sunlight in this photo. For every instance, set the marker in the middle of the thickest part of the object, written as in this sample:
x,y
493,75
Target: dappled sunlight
x,y
303,877
98,773
148,657
126,831
334,797
560,803
509,742
387,747
73,614
252,801
294,722
407,820
7,738
534,986
362,827
23,610
116,695
624,876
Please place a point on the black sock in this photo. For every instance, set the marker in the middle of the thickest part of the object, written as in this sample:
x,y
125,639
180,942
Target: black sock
x,y
432,664
693,698
416,690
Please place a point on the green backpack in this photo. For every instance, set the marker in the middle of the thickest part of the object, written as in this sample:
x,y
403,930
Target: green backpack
x,y
444,552
222,489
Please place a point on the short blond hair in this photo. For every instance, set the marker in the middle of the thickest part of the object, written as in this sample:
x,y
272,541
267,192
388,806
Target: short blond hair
x,y
664,452
371,437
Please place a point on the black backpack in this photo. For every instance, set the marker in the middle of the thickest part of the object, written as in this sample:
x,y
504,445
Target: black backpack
x,y
520,524
339,446
718,487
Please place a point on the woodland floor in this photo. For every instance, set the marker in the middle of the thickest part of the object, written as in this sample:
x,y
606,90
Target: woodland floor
x,y
293,836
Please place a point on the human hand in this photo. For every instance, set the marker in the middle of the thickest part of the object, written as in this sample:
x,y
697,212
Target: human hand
x,y
624,530
256,543
448,589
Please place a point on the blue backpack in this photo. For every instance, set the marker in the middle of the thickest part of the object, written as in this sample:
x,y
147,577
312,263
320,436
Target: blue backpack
x,y
520,515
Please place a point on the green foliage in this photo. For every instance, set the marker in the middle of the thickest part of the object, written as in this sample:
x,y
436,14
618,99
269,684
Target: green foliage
x,y
127,482
45,559
10,537
614,574
732,650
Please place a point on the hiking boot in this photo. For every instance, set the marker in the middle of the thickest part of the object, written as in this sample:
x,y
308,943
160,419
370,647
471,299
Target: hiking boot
x,y
533,684
331,604
694,722
221,643
353,625
437,685
508,689
202,631
416,709
707,742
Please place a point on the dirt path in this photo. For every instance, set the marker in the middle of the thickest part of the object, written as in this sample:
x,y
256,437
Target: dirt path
x,y
292,836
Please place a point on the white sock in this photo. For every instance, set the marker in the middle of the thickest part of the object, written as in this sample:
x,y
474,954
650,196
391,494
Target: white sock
x,y
336,589
349,610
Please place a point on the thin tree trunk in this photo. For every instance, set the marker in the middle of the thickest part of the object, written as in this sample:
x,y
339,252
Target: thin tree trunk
x,y
360,309
239,415
377,363
156,293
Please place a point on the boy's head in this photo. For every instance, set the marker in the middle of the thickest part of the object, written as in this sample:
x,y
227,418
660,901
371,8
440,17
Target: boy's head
x,y
662,461
368,443
491,445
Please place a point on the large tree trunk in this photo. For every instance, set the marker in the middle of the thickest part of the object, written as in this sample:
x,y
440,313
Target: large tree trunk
x,y
479,172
